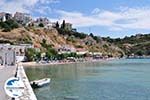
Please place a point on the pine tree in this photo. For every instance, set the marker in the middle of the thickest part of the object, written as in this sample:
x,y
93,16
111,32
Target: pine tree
x,y
63,24
57,24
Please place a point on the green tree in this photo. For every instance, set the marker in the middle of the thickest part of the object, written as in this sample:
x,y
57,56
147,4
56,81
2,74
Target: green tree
x,y
6,28
63,24
91,34
44,44
73,54
30,54
41,25
57,25
139,53
51,52
8,25
79,35
13,24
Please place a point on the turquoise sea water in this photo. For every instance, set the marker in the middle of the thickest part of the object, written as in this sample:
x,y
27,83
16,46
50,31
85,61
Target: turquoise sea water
x,y
126,79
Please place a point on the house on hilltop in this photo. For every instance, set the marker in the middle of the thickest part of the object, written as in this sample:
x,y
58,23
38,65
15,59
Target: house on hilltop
x,y
22,18
5,16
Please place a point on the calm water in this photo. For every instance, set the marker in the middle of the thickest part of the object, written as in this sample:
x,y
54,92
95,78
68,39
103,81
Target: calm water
x,y
127,79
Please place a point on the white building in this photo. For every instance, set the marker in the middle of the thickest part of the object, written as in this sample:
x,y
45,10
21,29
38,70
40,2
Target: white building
x,y
22,18
68,26
81,51
50,25
2,17
7,55
5,16
66,49
43,21
10,54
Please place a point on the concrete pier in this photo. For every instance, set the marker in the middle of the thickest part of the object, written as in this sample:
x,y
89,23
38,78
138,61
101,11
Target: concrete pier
x,y
10,71
28,92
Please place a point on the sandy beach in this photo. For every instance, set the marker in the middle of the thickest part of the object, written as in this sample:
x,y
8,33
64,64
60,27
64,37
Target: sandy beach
x,y
31,64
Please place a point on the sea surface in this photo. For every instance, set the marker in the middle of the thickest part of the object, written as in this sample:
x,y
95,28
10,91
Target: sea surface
x,y
125,79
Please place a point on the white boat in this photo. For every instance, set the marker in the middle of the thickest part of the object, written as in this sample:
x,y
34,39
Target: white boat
x,y
40,83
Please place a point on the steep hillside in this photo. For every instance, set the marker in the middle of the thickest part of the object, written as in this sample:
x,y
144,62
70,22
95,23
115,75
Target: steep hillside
x,y
57,38
19,35
137,45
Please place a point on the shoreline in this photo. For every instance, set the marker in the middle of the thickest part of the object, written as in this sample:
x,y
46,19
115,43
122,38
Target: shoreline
x,y
32,64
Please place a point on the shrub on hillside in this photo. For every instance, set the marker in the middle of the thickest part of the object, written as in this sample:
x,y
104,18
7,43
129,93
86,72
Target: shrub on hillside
x,y
41,25
96,38
71,33
8,25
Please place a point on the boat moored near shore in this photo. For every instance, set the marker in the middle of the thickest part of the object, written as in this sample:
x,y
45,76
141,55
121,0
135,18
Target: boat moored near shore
x,y
40,83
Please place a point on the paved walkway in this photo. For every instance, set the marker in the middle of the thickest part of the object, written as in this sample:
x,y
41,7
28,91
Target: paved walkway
x,y
5,73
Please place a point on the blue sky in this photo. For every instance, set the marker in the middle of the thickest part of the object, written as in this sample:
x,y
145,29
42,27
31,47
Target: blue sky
x,y
114,18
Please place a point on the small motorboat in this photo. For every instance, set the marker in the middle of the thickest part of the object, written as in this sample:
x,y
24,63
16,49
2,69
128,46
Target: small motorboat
x,y
40,83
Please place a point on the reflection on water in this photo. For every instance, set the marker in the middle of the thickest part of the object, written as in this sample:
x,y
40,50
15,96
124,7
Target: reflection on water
x,y
126,79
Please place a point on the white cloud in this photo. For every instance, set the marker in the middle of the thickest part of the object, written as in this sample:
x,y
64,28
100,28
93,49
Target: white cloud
x,y
49,1
122,18
81,20
24,5
96,10
43,10
12,6
115,29
125,18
